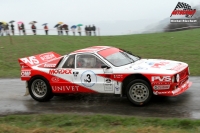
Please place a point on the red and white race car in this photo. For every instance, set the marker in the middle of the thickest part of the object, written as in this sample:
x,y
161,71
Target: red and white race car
x,y
103,69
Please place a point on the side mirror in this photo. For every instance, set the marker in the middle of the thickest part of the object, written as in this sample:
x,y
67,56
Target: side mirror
x,y
105,66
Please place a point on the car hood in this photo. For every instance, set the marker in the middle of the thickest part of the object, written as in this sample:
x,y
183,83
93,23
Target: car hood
x,y
158,65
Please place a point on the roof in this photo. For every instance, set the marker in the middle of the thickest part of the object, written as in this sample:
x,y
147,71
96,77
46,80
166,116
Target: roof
x,y
92,49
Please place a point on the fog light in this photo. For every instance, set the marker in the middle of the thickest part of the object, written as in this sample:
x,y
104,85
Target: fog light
x,y
173,79
177,78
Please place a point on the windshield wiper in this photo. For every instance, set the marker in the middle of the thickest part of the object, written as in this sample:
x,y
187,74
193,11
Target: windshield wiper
x,y
129,52
124,53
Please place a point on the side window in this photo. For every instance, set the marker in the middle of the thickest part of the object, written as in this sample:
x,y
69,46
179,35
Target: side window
x,y
88,61
69,63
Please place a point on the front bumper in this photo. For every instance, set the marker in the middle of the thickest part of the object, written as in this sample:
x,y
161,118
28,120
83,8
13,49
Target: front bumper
x,y
175,92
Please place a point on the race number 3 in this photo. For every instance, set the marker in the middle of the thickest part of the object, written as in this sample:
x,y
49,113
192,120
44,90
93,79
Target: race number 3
x,y
88,78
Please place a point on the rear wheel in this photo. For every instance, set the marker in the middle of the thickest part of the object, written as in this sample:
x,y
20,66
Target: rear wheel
x,y
139,92
40,89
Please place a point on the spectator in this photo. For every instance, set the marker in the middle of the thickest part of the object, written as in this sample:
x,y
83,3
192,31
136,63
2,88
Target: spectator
x,y
1,30
94,30
22,27
46,29
12,29
61,30
79,30
86,30
73,30
33,27
7,29
65,27
58,29
89,30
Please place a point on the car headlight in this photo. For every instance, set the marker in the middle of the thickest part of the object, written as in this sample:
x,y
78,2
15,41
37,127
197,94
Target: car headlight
x,y
177,77
173,78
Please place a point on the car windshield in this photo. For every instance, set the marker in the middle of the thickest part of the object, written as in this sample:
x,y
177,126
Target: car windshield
x,y
118,57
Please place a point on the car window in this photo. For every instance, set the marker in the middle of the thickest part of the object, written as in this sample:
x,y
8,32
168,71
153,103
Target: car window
x,y
69,63
88,61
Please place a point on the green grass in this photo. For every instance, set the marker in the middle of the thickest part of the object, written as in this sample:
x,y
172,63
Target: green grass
x,y
72,123
182,46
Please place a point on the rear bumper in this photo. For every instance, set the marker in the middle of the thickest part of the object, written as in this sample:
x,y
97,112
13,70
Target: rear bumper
x,y
175,92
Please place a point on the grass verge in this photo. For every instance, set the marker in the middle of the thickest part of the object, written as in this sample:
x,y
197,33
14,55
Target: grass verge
x,y
72,123
181,46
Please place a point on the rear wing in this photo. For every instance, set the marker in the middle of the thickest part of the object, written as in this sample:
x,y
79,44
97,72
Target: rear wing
x,y
28,62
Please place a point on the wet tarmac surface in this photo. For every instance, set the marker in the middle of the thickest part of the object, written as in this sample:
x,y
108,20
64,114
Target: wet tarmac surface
x,y
13,101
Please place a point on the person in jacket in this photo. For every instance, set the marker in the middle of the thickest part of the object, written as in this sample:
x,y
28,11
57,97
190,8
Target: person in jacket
x,y
73,30
94,30
33,27
1,30
89,30
22,27
12,29
61,30
79,30
7,30
86,30
46,29
65,27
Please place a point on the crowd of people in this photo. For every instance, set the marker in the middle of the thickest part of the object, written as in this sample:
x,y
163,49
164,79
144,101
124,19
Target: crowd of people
x,y
62,29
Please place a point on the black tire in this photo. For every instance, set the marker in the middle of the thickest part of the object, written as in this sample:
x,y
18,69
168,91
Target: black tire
x,y
139,92
40,94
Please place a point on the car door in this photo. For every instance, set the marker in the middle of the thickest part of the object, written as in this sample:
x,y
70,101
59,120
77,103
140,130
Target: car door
x,y
62,80
89,74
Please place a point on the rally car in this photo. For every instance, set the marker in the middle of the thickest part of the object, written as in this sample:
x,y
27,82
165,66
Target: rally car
x,y
103,69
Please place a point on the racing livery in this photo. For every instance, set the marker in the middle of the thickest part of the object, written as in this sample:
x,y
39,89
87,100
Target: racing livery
x,y
103,69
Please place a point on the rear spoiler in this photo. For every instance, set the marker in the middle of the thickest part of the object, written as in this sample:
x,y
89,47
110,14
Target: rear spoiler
x,y
28,62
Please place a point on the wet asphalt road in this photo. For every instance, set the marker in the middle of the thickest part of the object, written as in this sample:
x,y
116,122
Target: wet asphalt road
x,y
12,101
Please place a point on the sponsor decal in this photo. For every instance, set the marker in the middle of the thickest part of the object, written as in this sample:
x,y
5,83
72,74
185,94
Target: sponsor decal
x,y
88,78
26,73
31,60
65,88
176,91
150,63
164,92
140,68
161,78
161,83
182,87
49,65
161,87
108,87
108,80
75,74
47,56
160,64
23,66
118,76
55,79
60,71
117,86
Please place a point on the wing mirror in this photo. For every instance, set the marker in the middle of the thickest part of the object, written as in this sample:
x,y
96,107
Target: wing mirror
x,y
105,66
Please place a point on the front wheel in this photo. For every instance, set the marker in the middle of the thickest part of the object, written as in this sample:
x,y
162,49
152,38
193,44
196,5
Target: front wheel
x,y
139,92
40,89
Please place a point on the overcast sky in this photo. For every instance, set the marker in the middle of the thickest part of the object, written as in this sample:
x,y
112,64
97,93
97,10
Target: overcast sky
x,y
98,12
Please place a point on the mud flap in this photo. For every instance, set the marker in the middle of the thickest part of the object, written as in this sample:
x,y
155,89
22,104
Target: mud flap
x,y
27,91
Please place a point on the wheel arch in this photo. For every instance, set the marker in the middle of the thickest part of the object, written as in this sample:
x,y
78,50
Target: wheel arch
x,y
132,77
39,76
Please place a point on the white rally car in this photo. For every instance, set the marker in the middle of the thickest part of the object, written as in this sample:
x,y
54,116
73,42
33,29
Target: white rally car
x,y
103,69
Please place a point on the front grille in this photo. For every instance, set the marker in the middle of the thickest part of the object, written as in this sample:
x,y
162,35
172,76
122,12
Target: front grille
x,y
183,73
